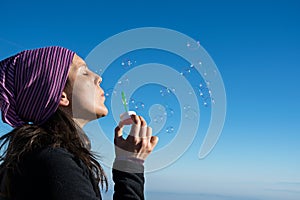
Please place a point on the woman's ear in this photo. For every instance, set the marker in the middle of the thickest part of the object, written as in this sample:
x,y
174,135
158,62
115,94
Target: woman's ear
x,y
64,101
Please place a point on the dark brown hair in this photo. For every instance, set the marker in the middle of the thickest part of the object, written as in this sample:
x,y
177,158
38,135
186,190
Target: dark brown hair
x,y
59,131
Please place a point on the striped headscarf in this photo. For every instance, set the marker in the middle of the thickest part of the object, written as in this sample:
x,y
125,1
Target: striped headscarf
x,y
31,84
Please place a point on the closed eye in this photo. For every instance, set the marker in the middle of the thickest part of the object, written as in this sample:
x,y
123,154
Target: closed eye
x,y
84,70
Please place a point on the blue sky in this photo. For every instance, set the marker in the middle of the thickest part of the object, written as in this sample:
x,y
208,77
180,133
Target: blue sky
x,y
254,44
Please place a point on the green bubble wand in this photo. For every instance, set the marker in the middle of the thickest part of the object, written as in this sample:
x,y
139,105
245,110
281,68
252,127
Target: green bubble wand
x,y
124,101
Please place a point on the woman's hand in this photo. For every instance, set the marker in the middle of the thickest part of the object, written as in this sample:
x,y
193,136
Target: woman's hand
x,y
139,143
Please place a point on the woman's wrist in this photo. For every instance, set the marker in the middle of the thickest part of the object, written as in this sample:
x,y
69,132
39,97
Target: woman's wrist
x,y
131,159
128,165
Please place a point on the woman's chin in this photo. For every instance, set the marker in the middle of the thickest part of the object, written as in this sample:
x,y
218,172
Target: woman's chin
x,y
102,113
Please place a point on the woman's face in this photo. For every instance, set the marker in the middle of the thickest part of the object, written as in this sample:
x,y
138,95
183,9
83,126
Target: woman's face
x,y
85,94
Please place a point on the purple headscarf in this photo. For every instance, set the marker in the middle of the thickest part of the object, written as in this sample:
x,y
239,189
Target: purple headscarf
x,y
31,84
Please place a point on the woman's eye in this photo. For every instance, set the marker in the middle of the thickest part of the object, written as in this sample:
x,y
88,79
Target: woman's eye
x,y
84,71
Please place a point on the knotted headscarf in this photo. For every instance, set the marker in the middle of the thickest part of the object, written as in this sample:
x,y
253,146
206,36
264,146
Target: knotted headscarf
x,y
31,84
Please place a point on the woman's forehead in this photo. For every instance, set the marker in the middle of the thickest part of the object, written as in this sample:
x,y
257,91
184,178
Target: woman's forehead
x,y
77,61
76,64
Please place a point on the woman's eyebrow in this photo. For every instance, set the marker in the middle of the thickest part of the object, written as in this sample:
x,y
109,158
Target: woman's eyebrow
x,y
83,65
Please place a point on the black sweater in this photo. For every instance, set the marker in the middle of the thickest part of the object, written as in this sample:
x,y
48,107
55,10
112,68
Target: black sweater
x,y
56,174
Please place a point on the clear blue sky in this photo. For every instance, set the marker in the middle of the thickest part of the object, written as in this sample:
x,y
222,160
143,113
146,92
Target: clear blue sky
x,y
256,47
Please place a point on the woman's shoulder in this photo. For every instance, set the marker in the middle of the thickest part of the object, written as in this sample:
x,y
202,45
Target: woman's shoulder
x,y
54,171
50,153
52,159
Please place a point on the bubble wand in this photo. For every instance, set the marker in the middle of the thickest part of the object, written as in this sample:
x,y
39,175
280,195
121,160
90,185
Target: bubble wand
x,y
126,114
124,101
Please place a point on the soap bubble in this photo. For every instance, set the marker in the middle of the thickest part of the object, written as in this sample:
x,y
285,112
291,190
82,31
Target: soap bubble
x,y
207,83
127,63
99,71
124,82
208,101
169,112
164,91
170,129
131,102
139,105
172,89
158,119
110,92
192,45
135,105
167,91
215,72
203,91
189,112
213,101
186,71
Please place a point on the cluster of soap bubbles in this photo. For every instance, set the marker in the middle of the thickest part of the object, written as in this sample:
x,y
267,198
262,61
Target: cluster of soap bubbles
x,y
110,92
170,129
189,112
136,105
192,45
202,90
165,91
170,78
127,63
206,94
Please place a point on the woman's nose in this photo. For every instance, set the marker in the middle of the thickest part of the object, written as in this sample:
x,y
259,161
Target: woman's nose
x,y
98,79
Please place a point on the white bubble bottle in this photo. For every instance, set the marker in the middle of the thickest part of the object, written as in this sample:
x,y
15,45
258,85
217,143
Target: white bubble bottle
x,y
126,116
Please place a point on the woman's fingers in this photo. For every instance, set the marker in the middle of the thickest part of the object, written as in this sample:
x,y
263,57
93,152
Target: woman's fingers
x,y
139,143
149,132
154,141
118,131
135,128
143,129
138,129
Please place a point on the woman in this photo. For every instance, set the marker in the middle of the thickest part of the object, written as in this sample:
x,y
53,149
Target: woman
x,y
47,155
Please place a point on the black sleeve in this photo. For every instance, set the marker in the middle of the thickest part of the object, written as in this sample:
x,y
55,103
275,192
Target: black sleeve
x,y
66,177
129,185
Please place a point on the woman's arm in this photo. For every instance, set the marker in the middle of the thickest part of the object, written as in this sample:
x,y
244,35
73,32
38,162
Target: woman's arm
x,y
128,169
128,184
